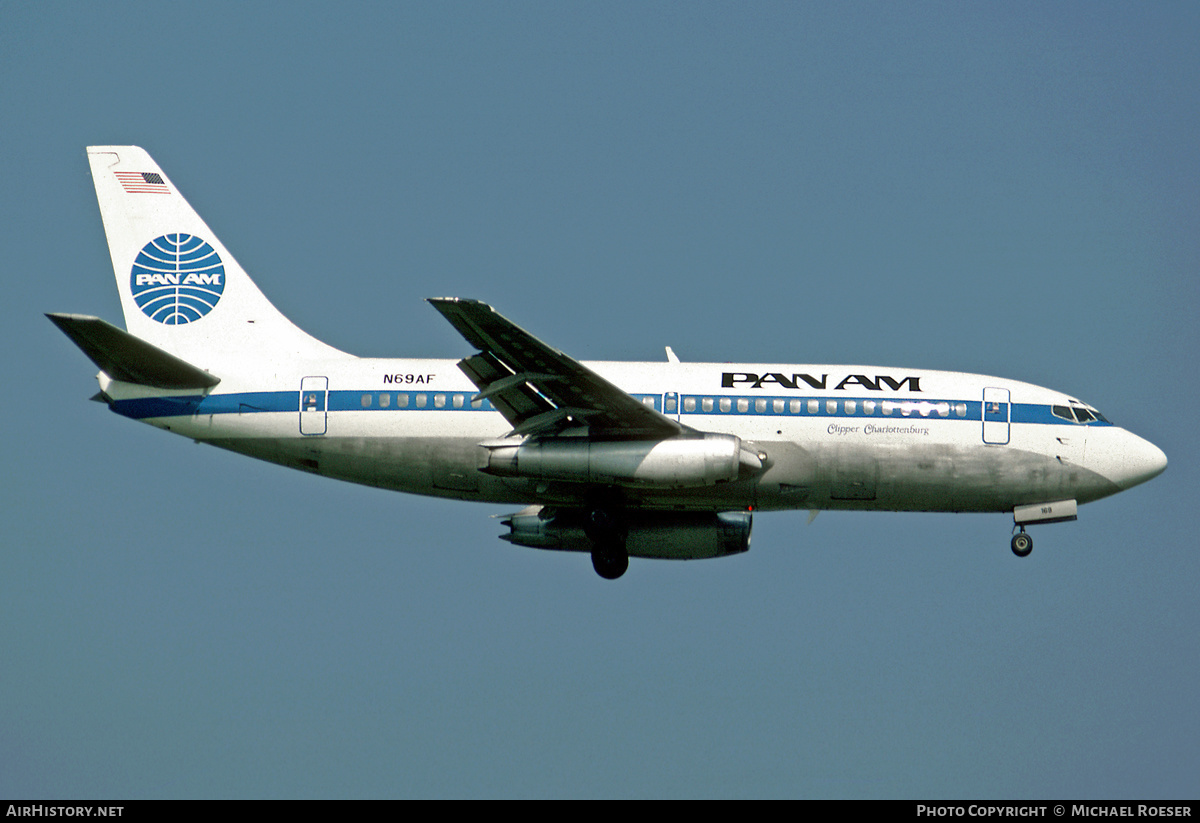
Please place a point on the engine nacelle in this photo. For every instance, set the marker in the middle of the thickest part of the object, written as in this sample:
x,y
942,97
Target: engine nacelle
x,y
664,535
676,463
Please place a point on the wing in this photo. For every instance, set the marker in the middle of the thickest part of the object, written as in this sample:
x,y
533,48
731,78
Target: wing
x,y
537,388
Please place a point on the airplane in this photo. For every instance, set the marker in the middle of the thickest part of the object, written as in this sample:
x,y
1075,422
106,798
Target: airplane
x,y
615,460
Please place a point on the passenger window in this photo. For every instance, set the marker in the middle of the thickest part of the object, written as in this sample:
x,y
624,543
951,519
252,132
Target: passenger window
x,y
385,400
760,405
689,404
868,407
648,400
726,404
777,406
706,404
814,406
458,401
794,406
960,409
888,408
366,401
421,399
476,402
851,406
439,401
402,400
831,406
743,405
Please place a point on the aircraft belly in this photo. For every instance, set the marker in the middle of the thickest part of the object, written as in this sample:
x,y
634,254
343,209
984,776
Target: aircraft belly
x,y
921,477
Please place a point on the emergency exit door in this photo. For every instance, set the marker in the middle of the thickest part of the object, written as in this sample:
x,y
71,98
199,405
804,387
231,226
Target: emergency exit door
x,y
671,405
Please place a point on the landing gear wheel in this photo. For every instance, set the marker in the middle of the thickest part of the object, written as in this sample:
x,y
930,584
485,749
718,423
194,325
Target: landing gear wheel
x,y
610,564
605,529
1022,544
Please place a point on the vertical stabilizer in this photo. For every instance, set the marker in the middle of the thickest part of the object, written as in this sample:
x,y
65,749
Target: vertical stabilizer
x,y
180,288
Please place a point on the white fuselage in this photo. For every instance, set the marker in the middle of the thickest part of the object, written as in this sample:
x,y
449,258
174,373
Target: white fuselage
x,y
830,437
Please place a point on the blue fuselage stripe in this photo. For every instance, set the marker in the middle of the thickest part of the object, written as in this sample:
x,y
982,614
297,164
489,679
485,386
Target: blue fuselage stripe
x,y
701,405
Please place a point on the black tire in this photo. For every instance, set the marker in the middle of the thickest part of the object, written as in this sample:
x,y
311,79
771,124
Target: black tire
x,y
1022,544
610,564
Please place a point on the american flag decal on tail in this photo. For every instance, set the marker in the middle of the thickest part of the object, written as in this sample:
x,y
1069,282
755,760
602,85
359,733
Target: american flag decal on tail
x,y
142,182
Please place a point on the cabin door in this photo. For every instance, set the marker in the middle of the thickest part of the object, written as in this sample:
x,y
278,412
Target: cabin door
x,y
997,414
314,394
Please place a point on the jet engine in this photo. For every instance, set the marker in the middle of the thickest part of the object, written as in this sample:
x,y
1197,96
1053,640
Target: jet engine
x,y
674,463
663,535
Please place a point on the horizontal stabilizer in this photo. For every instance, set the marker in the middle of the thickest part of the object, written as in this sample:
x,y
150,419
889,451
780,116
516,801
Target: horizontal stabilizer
x,y
130,359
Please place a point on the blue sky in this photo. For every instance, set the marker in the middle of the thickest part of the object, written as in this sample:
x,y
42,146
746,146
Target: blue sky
x,y
1007,189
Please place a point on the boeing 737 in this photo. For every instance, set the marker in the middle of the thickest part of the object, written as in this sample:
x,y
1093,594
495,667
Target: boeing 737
x,y
617,460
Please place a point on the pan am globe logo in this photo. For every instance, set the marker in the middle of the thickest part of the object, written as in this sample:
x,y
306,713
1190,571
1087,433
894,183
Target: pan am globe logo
x,y
177,278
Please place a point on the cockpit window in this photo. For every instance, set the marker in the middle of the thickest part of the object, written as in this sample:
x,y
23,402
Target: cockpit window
x,y
1077,414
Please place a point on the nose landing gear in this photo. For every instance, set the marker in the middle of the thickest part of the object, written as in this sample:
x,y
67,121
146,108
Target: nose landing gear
x,y
1058,511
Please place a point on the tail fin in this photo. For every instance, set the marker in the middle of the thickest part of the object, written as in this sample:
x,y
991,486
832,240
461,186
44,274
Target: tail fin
x,y
181,290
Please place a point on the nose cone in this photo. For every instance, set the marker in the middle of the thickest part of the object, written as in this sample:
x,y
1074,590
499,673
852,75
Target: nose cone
x,y
1140,461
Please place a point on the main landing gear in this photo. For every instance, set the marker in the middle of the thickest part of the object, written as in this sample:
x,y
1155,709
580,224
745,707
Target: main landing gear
x,y
1022,543
609,557
610,564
